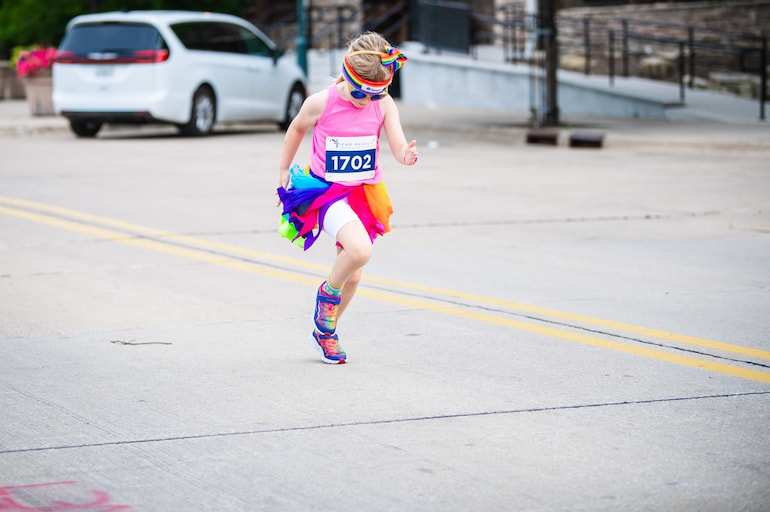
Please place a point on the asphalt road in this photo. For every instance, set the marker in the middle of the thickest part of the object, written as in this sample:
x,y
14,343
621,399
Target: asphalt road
x,y
545,328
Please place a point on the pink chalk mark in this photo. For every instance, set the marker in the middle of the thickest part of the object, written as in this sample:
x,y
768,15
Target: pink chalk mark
x,y
101,503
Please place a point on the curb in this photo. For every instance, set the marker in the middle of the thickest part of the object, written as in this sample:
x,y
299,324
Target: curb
x,y
613,138
513,127
23,130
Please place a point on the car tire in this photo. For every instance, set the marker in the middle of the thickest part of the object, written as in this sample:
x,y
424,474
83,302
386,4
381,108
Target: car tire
x,y
293,104
85,127
202,114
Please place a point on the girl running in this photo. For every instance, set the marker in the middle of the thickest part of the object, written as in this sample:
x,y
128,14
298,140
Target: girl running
x,y
341,192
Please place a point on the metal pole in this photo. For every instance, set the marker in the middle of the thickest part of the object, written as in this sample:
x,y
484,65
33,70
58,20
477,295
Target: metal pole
x,y
763,79
612,57
691,45
587,43
625,48
681,71
301,39
547,11
507,26
309,23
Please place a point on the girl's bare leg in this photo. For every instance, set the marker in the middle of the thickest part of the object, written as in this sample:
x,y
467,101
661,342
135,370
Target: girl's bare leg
x,y
349,291
351,257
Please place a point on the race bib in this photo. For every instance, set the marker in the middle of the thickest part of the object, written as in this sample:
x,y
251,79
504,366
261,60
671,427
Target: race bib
x,y
350,158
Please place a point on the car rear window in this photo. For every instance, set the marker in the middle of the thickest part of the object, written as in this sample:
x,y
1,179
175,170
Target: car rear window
x,y
111,40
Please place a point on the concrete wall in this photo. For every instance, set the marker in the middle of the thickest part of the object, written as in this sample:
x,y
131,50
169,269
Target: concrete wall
x,y
458,81
590,97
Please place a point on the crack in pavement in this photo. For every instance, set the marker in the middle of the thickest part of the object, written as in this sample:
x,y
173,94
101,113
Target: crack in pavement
x,y
389,421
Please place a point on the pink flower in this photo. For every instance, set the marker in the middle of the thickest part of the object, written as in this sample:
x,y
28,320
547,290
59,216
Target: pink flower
x,y
33,60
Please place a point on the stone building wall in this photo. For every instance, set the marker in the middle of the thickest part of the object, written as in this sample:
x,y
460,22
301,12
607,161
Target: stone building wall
x,y
743,16
724,57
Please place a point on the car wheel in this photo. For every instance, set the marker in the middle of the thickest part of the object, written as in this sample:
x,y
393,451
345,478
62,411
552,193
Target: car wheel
x,y
85,128
203,113
294,103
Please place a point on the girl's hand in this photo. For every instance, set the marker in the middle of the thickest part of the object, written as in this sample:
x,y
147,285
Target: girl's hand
x,y
410,153
284,178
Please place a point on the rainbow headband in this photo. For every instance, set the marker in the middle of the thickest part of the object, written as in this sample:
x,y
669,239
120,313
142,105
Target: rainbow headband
x,y
391,57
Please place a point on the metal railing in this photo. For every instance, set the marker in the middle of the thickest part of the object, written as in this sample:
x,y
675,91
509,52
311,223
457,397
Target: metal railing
x,y
606,46
623,47
331,26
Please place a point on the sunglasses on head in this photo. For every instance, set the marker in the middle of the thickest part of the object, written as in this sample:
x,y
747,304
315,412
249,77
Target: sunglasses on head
x,y
355,93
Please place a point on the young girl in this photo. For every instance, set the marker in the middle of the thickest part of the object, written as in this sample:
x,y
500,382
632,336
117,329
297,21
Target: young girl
x,y
342,192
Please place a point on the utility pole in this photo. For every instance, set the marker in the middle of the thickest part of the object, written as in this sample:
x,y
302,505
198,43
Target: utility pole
x,y
301,39
547,27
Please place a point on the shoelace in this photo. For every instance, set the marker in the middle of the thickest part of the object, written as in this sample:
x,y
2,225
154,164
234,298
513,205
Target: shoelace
x,y
328,310
330,344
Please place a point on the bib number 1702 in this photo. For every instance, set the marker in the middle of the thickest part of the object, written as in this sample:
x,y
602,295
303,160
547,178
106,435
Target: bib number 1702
x,y
351,162
351,158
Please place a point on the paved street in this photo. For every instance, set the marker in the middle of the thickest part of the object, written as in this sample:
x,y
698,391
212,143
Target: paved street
x,y
545,328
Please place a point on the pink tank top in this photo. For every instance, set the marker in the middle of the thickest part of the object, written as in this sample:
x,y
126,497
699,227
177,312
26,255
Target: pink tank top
x,y
346,142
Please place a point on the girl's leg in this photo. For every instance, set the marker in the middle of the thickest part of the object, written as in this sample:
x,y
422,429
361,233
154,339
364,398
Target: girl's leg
x,y
349,291
353,252
338,290
345,273
351,257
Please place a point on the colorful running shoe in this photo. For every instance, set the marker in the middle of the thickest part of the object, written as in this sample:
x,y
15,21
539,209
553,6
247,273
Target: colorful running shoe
x,y
329,347
326,306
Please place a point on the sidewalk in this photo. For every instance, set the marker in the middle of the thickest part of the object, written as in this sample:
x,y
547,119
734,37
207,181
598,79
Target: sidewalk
x,y
513,126
15,119
707,118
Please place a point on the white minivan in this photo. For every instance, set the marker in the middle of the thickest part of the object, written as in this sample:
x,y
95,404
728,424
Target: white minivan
x,y
192,69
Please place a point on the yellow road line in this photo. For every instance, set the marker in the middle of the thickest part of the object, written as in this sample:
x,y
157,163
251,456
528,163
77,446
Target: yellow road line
x,y
569,336
562,315
226,262
145,230
192,254
442,292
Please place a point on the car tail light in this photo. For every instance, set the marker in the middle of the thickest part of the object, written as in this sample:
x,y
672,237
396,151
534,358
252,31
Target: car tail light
x,y
64,57
150,56
139,57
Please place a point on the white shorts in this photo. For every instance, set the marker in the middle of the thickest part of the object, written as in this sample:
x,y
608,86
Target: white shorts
x,y
338,214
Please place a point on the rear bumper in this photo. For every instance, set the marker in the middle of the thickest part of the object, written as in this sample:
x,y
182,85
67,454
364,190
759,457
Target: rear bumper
x,y
138,117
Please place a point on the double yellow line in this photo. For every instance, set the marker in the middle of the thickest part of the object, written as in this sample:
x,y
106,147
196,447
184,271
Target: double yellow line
x,y
435,299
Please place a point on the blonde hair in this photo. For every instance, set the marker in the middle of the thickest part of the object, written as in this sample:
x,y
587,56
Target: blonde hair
x,y
368,66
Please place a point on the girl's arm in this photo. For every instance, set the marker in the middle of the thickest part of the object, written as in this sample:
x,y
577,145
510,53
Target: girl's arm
x,y
311,110
403,152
